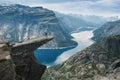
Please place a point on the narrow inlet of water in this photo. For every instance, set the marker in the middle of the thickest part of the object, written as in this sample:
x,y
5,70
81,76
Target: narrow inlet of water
x,y
50,57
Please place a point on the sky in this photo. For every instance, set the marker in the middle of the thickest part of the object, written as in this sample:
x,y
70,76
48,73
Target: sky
x,y
84,7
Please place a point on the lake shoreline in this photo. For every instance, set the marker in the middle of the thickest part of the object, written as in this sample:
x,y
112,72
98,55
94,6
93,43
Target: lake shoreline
x,y
54,56
83,39
61,47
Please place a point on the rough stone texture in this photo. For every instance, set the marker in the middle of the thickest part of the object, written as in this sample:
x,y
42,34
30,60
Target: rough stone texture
x,y
106,30
19,22
17,61
99,61
7,67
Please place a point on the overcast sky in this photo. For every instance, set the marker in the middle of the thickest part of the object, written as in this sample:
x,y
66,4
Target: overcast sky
x,y
89,7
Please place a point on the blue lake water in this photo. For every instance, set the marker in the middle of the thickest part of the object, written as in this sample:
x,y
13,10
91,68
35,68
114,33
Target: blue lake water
x,y
51,57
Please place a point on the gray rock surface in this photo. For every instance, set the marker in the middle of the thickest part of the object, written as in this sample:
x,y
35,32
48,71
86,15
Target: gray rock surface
x,y
99,61
19,23
108,29
17,61
7,66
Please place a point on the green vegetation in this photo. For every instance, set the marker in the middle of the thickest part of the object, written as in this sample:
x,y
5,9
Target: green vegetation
x,y
116,37
90,62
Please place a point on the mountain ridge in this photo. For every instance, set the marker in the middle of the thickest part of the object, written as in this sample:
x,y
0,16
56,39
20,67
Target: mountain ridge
x,y
99,61
77,23
106,30
19,23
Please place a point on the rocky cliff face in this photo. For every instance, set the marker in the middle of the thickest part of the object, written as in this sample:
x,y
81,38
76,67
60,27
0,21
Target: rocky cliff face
x,y
108,29
99,61
18,23
17,61
7,66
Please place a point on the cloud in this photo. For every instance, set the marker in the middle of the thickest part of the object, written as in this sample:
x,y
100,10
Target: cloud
x,y
89,7
35,1
62,1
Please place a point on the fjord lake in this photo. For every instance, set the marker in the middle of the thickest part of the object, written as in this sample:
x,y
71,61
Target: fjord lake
x,y
50,57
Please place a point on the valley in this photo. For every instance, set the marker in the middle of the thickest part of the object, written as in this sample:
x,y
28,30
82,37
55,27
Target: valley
x,y
59,55
37,40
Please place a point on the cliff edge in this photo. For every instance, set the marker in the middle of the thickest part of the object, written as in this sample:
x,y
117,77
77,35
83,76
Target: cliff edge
x,y
17,61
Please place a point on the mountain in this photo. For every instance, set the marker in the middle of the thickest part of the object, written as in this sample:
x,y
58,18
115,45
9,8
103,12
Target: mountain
x,y
108,29
72,22
97,20
19,23
100,61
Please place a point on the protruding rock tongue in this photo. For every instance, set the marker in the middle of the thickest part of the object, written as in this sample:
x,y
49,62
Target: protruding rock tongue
x,y
27,67
31,45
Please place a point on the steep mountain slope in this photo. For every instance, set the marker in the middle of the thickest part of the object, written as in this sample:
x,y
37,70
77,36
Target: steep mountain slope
x,y
99,61
73,22
18,22
17,61
108,29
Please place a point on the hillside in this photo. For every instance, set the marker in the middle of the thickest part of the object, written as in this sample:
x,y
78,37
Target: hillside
x,y
19,23
99,61
108,29
74,22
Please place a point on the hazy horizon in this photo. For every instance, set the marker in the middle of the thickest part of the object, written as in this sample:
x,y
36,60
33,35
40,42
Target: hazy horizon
x,y
80,7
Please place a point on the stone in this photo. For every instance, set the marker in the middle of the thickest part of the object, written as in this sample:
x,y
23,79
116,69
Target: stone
x,y
17,61
7,66
27,67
